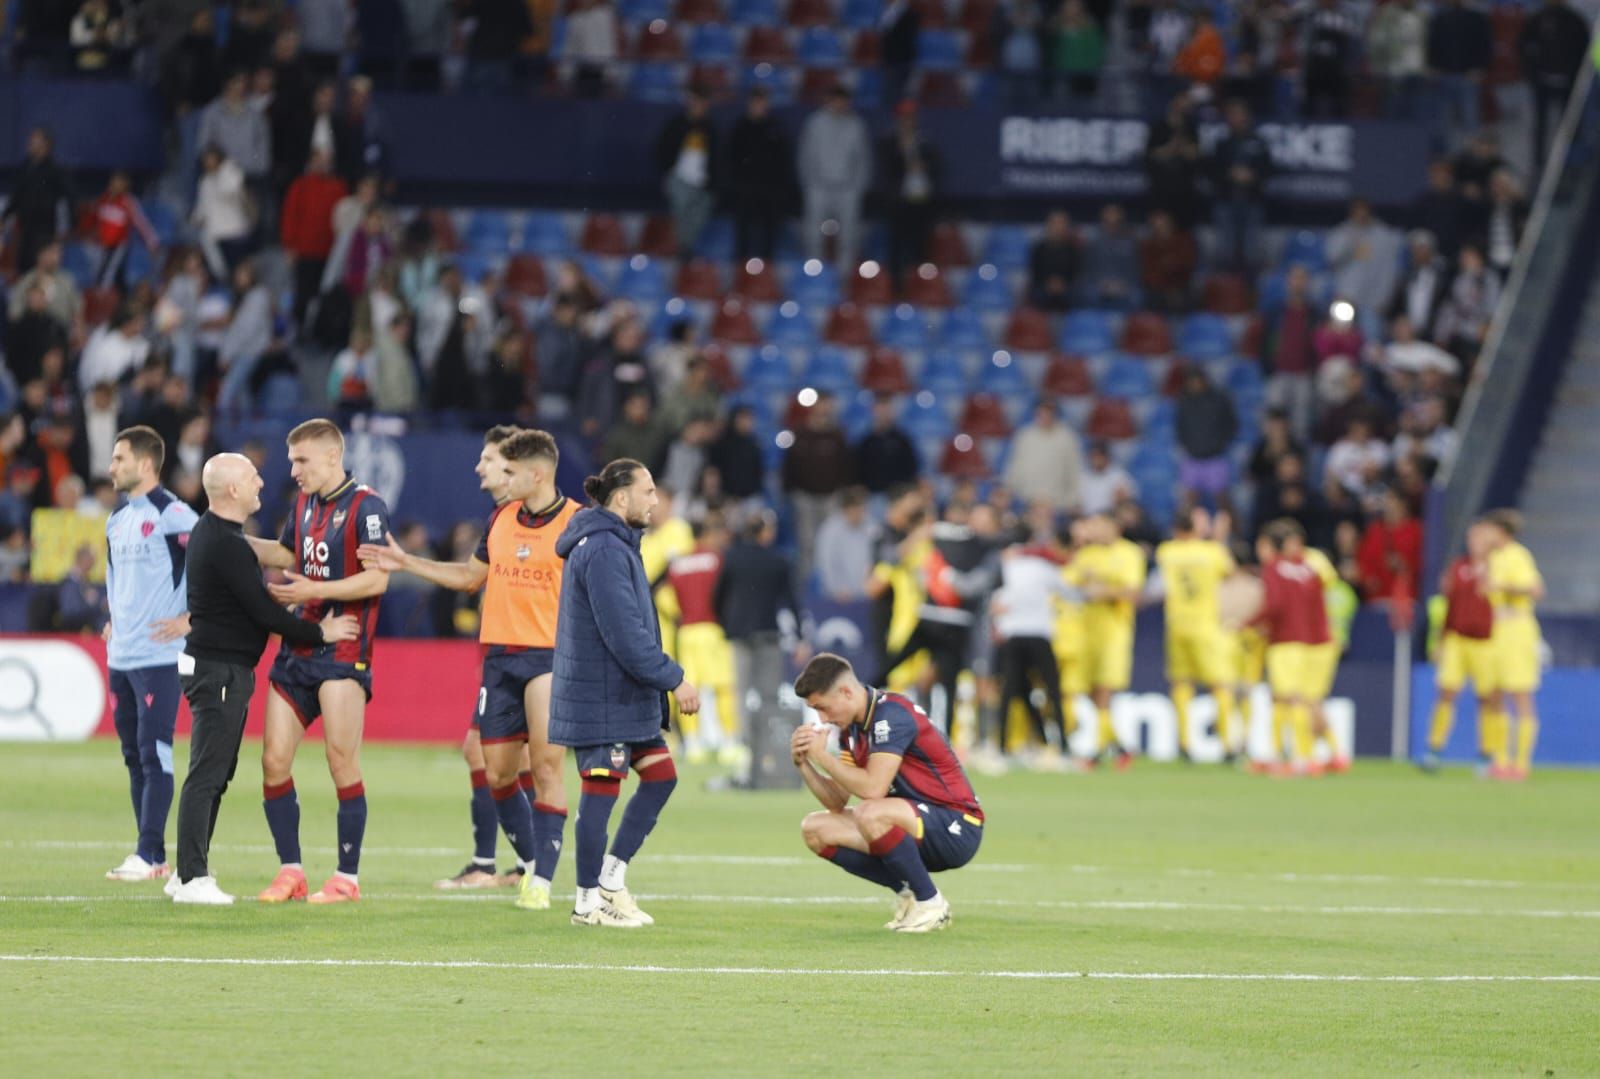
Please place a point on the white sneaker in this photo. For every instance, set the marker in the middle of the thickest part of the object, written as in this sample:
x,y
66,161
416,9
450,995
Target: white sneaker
x,y
623,901
902,906
203,891
607,915
135,868
925,917
172,885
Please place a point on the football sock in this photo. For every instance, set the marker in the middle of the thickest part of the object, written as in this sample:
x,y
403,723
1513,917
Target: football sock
x,y
588,898
1300,722
613,873
901,858
727,712
1494,732
1444,717
1281,742
656,782
1225,716
549,824
1331,740
283,819
516,819
155,803
352,826
1108,733
1527,735
485,821
864,866
599,798
1182,698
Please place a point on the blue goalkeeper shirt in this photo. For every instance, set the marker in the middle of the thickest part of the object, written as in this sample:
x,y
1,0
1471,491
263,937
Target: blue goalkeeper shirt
x,y
146,540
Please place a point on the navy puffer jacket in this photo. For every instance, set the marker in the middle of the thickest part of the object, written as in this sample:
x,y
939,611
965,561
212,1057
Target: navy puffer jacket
x,y
611,676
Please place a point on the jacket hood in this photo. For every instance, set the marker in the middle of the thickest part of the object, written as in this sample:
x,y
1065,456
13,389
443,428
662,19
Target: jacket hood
x,y
593,521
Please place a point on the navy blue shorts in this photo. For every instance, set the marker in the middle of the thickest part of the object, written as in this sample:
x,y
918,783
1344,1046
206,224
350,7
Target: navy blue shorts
x,y
612,761
949,837
298,678
502,694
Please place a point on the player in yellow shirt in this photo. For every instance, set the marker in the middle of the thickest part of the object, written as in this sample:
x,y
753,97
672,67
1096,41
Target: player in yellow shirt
x,y
1068,637
668,537
1193,568
1324,661
1514,587
1110,573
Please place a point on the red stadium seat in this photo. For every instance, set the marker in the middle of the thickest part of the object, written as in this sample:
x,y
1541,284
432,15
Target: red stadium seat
x,y
100,305
984,417
733,325
1250,339
1226,294
659,40
1147,334
947,247
714,80
816,84
697,11
963,460
932,14
803,13
757,282
848,326
657,238
720,367
941,90
870,284
1028,330
1067,376
980,51
602,235
864,51
525,276
1172,382
1112,420
796,415
699,279
977,17
767,45
884,372
926,287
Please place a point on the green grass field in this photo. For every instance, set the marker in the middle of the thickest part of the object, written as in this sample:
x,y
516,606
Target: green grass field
x,y
1145,923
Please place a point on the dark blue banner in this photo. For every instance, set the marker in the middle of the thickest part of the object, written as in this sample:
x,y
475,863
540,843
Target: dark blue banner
x,y
1567,731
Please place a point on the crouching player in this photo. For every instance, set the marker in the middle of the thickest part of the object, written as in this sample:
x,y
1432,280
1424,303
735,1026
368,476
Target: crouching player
x,y
916,813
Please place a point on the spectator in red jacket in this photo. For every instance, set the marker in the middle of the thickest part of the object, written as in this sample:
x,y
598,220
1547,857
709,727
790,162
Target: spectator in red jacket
x,y
306,227
117,216
1391,550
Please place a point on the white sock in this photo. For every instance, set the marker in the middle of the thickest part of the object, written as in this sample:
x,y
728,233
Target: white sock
x,y
351,877
588,899
292,865
482,862
613,873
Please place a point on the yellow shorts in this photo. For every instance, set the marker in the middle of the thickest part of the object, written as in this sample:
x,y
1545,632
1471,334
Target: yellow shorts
x,y
1199,657
1249,657
1516,652
1108,655
1074,673
1293,671
704,655
1461,658
1324,668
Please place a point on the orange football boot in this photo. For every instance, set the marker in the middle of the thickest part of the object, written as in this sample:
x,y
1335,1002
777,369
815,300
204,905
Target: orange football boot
x,y
290,883
336,889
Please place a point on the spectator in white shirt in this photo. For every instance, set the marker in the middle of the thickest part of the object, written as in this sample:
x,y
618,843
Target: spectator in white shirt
x,y
844,550
222,212
1355,459
1046,464
115,351
1105,482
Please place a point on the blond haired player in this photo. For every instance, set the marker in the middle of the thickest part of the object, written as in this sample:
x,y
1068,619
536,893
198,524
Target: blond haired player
x,y
1514,587
1193,567
1110,571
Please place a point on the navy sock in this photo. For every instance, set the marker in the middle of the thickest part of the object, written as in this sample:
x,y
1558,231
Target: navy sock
x,y
155,804
594,812
655,787
485,821
864,866
549,824
283,818
904,862
516,817
352,826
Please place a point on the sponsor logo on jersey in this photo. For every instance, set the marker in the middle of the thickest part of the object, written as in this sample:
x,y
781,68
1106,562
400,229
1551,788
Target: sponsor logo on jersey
x,y
374,526
880,731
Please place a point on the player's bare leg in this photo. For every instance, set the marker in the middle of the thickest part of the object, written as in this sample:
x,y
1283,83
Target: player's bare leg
x,y
480,871
1110,747
1527,736
549,795
1444,718
280,740
1182,697
1338,760
1494,732
344,713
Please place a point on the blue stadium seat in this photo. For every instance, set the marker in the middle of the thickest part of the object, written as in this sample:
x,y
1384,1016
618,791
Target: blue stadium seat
x,y
654,82
986,289
1160,427
820,47
642,280
855,414
768,371
1245,379
488,232
944,374
140,265
829,369
861,14
904,328
869,88
1007,247
712,43
673,311
791,327
1088,333
1003,376
545,233
77,261
815,285
1305,248
1127,377
1204,337
963,328
753,12
759,404
716,240
165,220
938,50
474,265
922,418
644,10
776,81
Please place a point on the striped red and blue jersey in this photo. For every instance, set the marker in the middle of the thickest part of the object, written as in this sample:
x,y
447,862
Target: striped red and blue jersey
x,y
323,534
929,769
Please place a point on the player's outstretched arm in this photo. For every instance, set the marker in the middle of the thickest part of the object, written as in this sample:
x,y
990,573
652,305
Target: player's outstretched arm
x,y
297,589
270,553
390,557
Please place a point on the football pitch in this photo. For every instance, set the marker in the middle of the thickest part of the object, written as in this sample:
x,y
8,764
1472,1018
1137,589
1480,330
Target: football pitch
x,y
1166,920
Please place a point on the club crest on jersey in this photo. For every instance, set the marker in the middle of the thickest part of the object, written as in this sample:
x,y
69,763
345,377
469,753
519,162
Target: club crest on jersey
x,y
619,756
523,551
880,731
146,527
338,519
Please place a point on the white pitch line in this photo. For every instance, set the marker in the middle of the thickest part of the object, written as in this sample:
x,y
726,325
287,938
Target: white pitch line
x,y
782,972
851,900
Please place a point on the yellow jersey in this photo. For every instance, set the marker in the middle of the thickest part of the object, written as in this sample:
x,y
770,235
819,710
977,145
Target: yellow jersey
x,y
1323,567
1119,564
1512,570
1193,570
670,539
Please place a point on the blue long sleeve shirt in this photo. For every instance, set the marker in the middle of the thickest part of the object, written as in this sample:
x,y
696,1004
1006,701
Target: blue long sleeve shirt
x,y
146,542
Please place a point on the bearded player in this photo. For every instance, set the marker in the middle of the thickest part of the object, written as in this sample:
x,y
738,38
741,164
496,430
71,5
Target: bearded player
x,y
332,516
517,567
